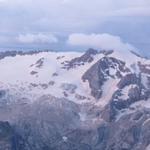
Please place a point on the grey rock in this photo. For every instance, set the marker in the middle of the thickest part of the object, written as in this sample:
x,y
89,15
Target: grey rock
x,y
8,137
128,79
2,93
85,58
54,124
95,78
134,93
144,68
5,135
99,73
20,53
106,52
128,134
69,87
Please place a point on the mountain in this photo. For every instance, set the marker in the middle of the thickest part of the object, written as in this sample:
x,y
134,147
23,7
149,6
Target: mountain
x,y
97,100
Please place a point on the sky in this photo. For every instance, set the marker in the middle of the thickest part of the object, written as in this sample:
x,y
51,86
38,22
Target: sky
x,y
75,24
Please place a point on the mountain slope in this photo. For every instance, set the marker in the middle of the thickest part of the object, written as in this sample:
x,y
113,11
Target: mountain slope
x,y
82,99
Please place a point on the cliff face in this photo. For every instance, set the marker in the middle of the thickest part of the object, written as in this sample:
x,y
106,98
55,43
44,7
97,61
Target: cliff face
x,y
74,101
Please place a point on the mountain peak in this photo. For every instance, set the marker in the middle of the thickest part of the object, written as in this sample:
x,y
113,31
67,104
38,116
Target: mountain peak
x,y
80,95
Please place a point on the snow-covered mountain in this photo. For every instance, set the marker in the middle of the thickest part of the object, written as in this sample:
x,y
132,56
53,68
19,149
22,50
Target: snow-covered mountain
x,y
74,100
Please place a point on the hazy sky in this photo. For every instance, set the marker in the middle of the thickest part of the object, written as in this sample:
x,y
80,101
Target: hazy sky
x,y
52,24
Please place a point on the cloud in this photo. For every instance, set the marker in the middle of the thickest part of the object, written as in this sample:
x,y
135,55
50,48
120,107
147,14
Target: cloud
x,y
102,41
137,11
63,17
39,38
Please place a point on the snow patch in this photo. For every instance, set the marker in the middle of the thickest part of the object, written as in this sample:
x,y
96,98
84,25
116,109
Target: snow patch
x,y
108,89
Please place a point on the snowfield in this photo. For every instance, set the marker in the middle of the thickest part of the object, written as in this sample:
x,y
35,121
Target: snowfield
x,y
44,73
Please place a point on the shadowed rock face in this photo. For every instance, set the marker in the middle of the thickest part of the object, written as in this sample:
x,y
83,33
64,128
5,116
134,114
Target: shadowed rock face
x,y
135,93
55,125
95,78
8,138
2,93
145,68
106,52
128,80
85,58
128,132
15,53
99,73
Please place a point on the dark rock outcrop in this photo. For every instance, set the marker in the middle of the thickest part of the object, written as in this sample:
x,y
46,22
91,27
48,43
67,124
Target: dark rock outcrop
x,y
2,93
128,80
20,53
100,72
85,58
5,136
128,133
9,140
134,93
96,79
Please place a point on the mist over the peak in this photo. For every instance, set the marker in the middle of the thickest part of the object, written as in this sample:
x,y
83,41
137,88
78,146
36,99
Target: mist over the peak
x,y
35,24
99,41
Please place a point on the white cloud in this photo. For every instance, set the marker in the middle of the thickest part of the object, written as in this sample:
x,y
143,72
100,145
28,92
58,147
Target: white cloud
x,y
102,41
74,15
36,38
62,17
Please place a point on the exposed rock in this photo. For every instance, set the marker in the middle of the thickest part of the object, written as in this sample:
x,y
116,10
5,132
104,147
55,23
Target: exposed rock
x,y
70,88
60,57
128,80
46,122
103,136
119,103
8,138
127,133
55,124
55,74
2,93
106,52
148,82
5,136
100,72
44,85
65,94
134,93
145,68
39,63
85,58
52,123
33,72
4,100
95,78
51,83
20,53
34,85
80,97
